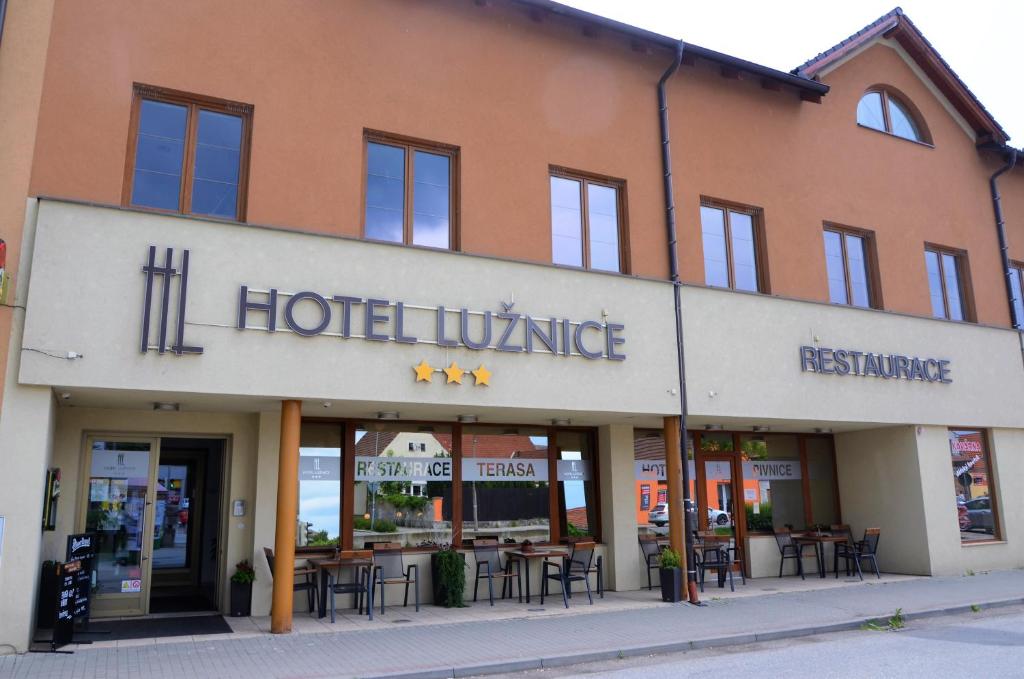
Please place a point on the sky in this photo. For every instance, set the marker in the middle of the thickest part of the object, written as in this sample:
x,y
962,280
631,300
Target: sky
x,y
979,39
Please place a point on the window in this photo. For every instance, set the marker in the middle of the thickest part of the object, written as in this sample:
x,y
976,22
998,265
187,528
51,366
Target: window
x,y
882,111
850,262
1017,287
652,517
733,247
410,192
319,485
188,154
973,486
586,222
946,284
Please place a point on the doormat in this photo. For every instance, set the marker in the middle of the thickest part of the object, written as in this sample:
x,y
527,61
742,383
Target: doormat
x,y
149,628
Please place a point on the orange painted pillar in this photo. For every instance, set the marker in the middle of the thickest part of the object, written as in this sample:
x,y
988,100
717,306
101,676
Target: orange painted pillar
x,y
674,479
287,517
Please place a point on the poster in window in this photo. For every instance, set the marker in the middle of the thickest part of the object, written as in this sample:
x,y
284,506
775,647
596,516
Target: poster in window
x,y
645,496
99,490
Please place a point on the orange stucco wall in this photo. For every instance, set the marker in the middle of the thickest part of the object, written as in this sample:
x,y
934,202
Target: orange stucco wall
x,y
518,95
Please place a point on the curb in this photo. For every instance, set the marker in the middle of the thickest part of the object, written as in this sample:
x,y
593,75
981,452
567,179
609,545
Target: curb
x,y
520,665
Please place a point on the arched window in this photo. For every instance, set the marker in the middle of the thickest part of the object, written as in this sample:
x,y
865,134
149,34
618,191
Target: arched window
x,y
881,110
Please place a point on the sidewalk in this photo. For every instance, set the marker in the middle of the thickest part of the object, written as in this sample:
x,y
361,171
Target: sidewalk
x,y
485,646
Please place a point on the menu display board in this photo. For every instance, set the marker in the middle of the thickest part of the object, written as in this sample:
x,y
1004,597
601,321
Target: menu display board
x,y
82,548
67,589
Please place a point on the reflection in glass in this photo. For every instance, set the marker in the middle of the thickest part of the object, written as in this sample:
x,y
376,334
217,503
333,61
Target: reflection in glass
x,y
858,270
1018,293
217,163
385,192
651,486
931,260
603,218
952,281
744,260
319,484
159,153
869,111
772,503
431,197
821,470
173,510
902,124
835,267
972,485
716,258
576,499
566,222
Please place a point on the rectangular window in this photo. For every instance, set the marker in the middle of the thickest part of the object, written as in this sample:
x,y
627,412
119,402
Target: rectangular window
x,y
733,247
319,485
849,260
586,222
973,486
410,192
650,478
947,284
188,154
1017,287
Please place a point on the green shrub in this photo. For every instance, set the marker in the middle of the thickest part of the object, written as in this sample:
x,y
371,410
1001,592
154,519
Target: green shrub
x,y
380,525
406,503
320,539
762,521
450,571
244,573
670,559
576,532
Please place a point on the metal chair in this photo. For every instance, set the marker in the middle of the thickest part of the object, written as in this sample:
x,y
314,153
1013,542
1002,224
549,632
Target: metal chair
x,y
308,584
573,568
790,550
840,548
359,587
390,569
732,551
489,559
650,551
715,556
865,549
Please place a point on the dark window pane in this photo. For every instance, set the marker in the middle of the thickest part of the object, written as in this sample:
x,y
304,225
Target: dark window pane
x,y
431,195
220,129
566,222
217,199
603,212
385,192
743,257
712,223
952,280
858,268
160,148
902,124
835,268
869,111
931,261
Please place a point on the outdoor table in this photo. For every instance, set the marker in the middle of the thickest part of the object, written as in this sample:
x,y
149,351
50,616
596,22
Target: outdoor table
x,y
527,557
819,546
324,566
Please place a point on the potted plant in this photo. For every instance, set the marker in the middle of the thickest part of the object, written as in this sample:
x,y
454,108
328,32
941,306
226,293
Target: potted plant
x,y
526,547
671,570
448,576
241,589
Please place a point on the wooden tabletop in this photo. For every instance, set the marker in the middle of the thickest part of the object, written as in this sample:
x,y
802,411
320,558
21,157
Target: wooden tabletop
x,y
820,538
330,562
537,553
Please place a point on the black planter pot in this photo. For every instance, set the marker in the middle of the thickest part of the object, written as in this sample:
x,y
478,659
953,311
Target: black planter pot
x,y
671,584
241,599
438,586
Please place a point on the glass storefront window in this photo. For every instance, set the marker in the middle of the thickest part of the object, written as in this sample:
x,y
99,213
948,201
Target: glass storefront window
x,y
319,485
505,485
822,480
773,493
403,486
577,507
651,484
973,487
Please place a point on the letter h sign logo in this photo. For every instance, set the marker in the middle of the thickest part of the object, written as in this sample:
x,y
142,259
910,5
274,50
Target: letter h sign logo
x,y
167,273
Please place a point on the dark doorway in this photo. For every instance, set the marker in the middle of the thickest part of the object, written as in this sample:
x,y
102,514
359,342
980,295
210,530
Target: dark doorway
x,y
187,525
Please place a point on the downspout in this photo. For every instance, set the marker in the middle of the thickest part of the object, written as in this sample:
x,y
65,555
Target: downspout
x,y
673,266
997,207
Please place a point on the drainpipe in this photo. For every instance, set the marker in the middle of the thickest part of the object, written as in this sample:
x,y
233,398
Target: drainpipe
x,y
689,511
997,207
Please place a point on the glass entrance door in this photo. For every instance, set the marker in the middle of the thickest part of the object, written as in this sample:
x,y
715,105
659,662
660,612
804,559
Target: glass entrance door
x,y
119,509
719,493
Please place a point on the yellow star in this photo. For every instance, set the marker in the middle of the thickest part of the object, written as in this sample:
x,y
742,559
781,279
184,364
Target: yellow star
x,y
423,371
483,376
454,373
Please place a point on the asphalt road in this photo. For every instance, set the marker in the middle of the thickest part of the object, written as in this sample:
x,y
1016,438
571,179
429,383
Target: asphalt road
x,y
984,644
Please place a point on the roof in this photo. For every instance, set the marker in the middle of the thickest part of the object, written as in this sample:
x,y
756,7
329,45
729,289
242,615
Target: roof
x,y
809,89
898,26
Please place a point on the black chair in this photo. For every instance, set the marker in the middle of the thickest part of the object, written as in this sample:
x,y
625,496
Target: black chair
x,y
650,550
840,548
308,583
790,549
488,559
573,568
714,555
390,569
865,549
360,587
732,551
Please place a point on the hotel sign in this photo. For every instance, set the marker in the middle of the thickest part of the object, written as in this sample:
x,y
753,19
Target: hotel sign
x,y
867,364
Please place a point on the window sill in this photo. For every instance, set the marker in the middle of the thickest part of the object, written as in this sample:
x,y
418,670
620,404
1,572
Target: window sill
x,y
896,136
983,543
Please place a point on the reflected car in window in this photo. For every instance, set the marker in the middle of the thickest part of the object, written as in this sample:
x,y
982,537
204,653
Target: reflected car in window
x,y
979,512
659,516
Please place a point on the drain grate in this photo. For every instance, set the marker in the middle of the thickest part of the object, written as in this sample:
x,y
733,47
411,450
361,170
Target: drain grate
x,y
400,620
535,610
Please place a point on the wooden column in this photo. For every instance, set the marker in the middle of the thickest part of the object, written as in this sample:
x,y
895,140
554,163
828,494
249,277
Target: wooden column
x,y
348,484
457,510
554,501
674,477
287,517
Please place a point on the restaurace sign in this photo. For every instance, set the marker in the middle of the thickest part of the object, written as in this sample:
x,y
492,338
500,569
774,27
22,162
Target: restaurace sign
x,y
867,364
422,469
308,314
